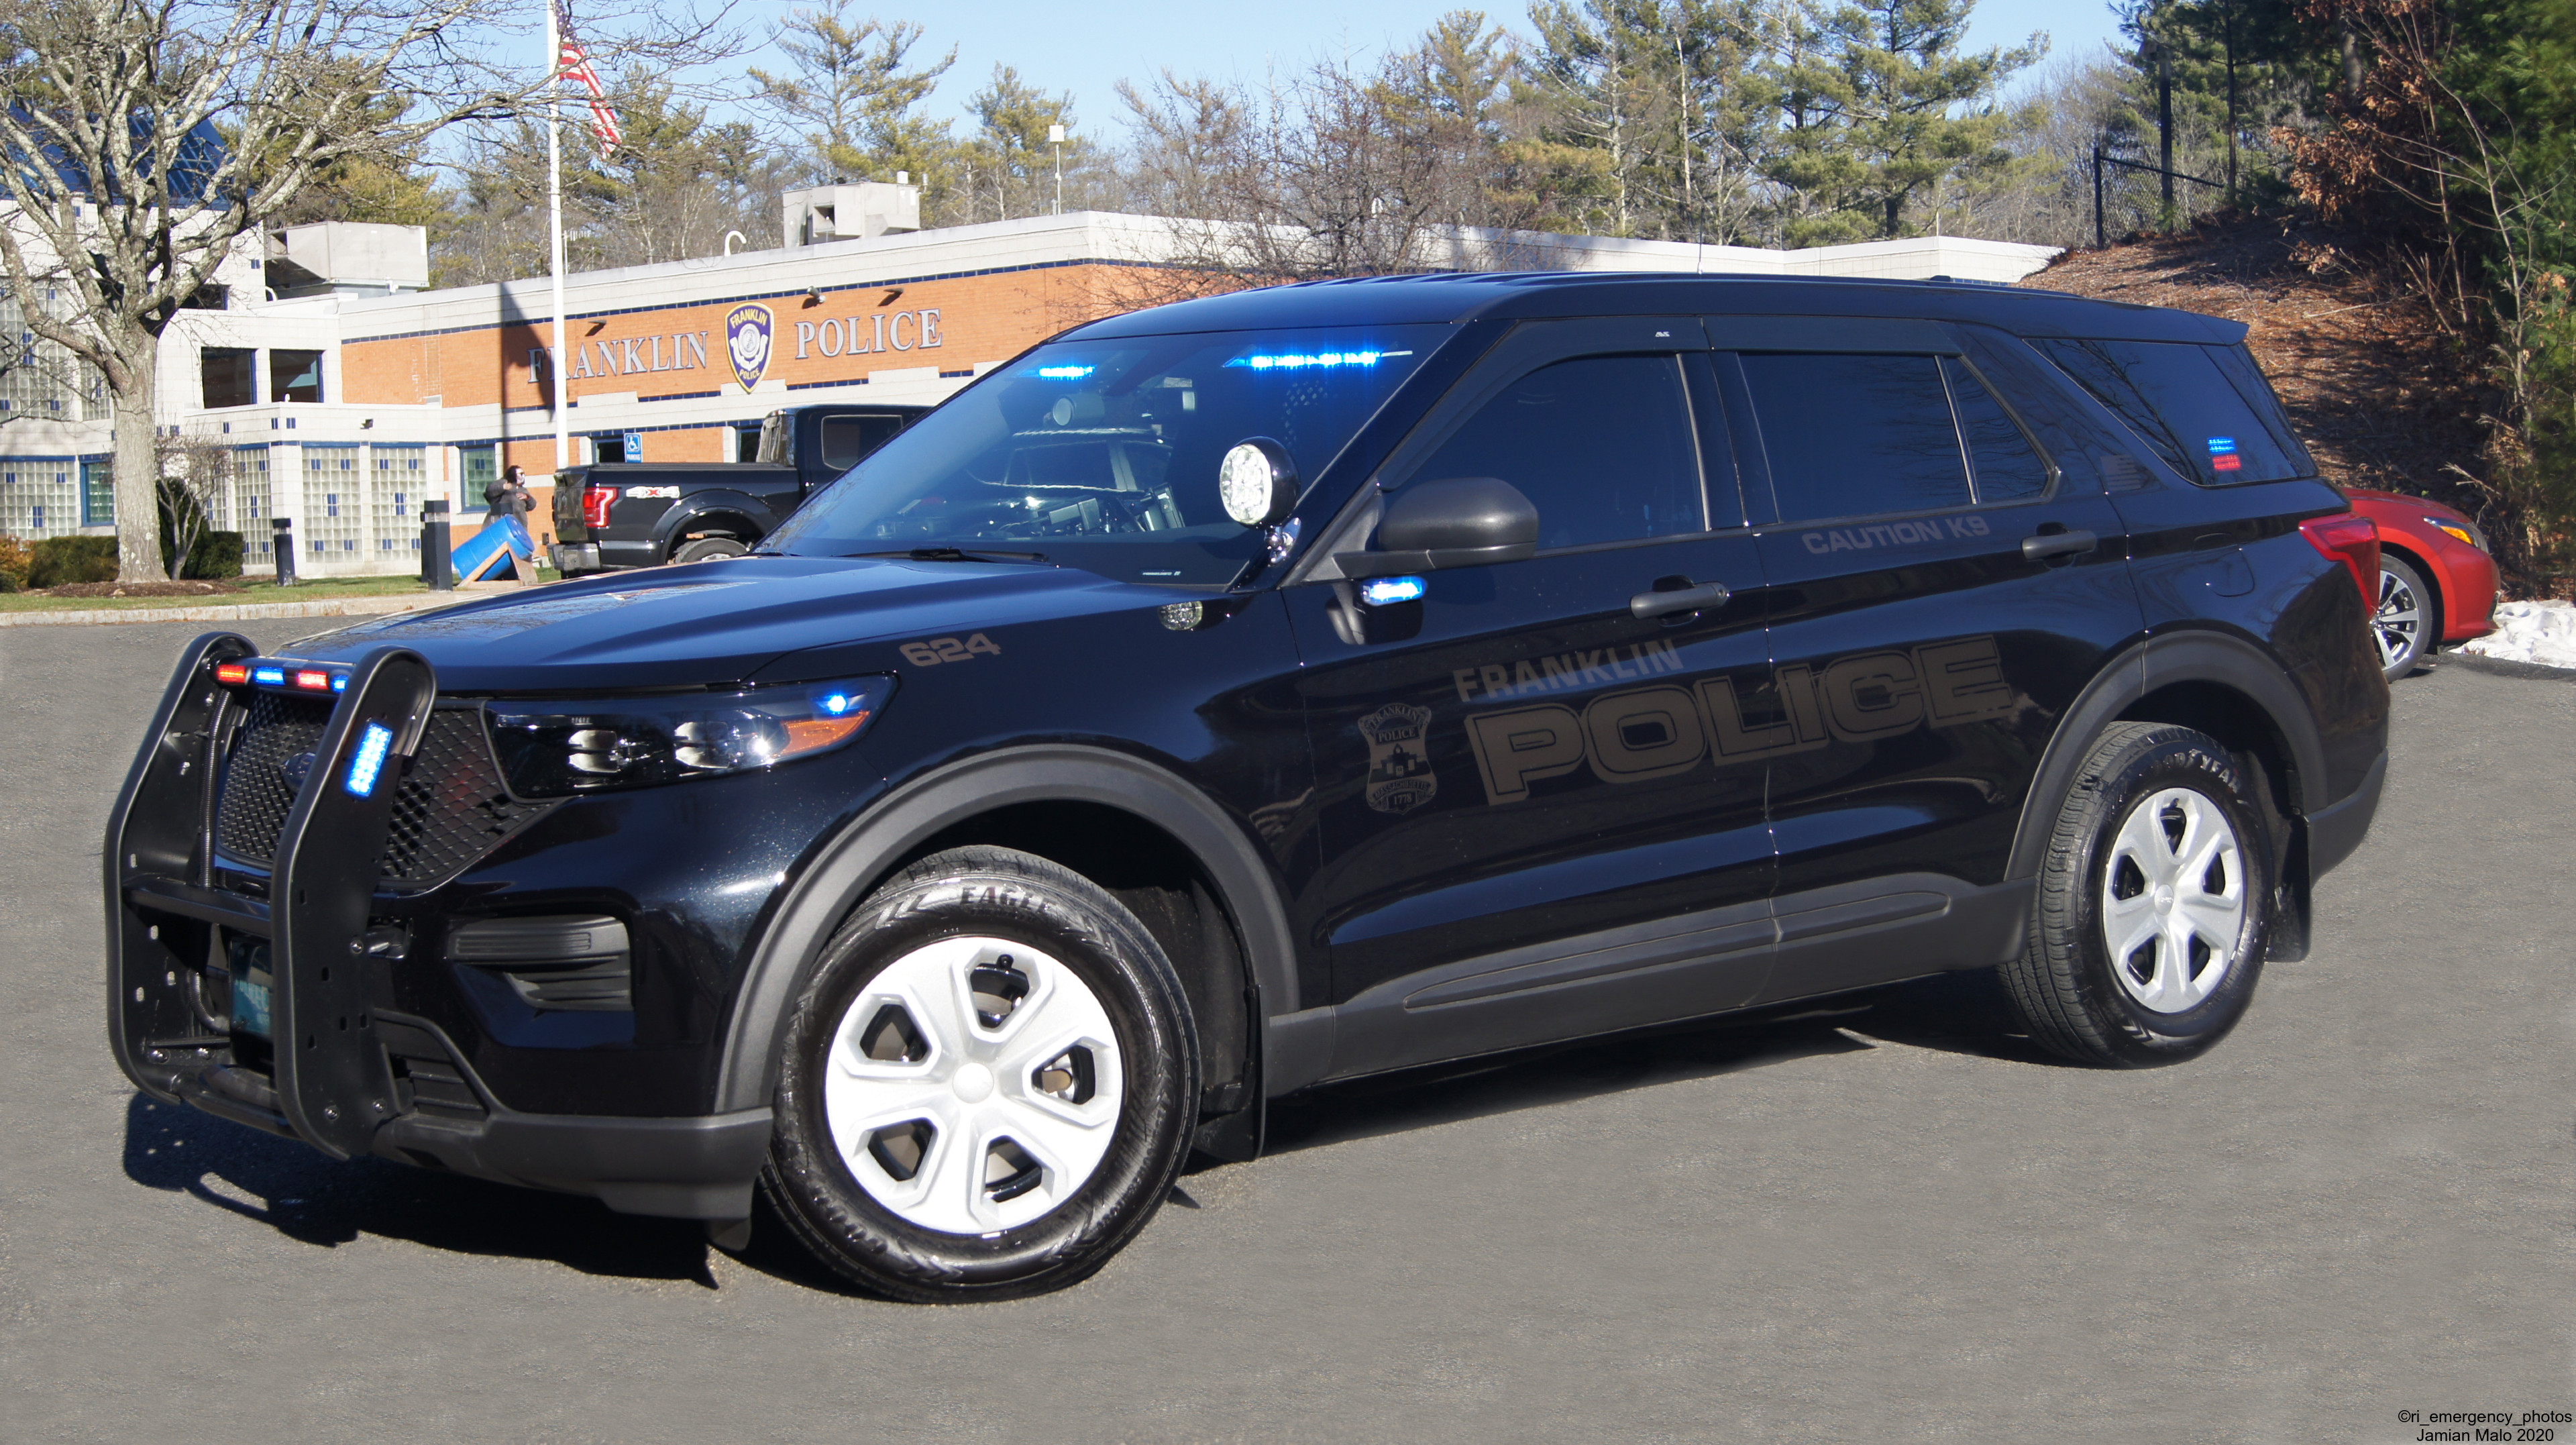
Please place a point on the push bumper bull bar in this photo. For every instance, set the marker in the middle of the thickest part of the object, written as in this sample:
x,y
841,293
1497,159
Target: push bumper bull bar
x,y
329,1080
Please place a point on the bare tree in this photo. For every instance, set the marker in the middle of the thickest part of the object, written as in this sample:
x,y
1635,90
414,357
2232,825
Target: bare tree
x,y
192,474
145,137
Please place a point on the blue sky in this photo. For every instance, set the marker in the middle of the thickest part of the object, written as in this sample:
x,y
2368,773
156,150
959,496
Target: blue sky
x,y
1087,49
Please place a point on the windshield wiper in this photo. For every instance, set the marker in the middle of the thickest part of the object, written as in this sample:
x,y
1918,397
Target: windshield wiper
x,y
953,554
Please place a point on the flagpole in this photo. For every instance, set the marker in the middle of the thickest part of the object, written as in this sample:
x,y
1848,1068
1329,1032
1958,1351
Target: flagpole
x,y
555,377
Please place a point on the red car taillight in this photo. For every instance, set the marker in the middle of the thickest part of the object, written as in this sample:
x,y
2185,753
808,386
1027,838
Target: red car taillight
x,y
595,502
2353,541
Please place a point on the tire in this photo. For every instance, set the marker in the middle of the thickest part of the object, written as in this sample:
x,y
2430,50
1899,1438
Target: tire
x,y
2404,624
707,549
923,1149
2097,978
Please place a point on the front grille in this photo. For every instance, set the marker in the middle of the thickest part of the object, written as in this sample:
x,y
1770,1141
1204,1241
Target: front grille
x,y
450,809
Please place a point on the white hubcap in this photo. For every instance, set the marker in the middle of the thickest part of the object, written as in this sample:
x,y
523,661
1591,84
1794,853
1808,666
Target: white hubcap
x,y
2399,622
973,1085
2173,900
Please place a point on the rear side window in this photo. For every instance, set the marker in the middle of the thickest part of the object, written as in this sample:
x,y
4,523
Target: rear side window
x,y
1601,445
2007,467
1856,436
2179,399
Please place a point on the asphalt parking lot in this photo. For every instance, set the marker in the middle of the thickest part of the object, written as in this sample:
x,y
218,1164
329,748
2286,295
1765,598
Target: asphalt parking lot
x,y
1880,1226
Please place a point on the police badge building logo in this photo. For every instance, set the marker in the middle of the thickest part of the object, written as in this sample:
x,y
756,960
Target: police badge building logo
x,y
1399,775
748,328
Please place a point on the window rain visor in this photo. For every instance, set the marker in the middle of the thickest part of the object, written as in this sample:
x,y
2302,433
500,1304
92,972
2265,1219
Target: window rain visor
x,y
1107,455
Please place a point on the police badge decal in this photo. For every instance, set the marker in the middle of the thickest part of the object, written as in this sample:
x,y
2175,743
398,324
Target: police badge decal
x,y
748,328
1399,775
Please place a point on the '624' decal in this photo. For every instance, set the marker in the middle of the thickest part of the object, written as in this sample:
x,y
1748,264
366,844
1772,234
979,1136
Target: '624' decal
x,y
937,650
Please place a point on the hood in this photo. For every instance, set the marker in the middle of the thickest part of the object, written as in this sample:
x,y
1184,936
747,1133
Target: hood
x,y
712,623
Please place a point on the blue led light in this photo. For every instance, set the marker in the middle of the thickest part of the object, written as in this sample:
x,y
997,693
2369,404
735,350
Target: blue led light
x,y
269,676
1385,591
837,703
339,682
1296,360
368,762
1064,373
2222,446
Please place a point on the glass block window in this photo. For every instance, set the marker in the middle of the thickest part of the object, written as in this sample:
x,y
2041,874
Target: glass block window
x,y
393,497
334,523
38,499
250,503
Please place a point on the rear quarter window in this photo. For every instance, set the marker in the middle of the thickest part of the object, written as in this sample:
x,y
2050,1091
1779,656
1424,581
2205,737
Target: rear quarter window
x,y
2204,409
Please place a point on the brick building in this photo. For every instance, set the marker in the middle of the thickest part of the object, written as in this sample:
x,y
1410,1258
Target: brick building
x,y
349,394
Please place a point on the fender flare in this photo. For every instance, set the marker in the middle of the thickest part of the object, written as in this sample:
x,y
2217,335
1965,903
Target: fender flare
x,y
851,864
671,525
2160,662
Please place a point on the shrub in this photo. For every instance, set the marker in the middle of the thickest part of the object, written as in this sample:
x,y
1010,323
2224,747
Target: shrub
x,y
57,560
13,564
217,556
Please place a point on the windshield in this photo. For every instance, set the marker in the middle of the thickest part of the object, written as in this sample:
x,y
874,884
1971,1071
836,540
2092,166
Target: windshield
x,y
1104,455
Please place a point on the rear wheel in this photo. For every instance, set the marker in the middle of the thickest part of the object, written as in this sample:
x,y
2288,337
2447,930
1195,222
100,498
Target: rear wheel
x,y
987,1088
708,549
2403,624
2154,905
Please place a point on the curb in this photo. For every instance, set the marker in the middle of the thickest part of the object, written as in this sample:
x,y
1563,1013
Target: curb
x,y
244,611
2507,667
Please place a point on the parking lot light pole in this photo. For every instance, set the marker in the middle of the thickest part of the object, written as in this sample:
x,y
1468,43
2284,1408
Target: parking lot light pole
x,y
434,567
282,541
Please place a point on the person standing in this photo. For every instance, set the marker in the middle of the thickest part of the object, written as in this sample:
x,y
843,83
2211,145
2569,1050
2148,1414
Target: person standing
x,y
508,496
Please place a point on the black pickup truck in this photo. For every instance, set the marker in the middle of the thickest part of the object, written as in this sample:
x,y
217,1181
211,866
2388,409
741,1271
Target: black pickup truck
x,y
613,515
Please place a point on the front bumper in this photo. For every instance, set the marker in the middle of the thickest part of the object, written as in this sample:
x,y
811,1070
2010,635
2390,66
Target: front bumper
x,y
341,1068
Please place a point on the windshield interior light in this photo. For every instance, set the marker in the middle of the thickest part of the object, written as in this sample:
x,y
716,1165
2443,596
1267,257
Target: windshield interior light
x,y
1064,373
1266,361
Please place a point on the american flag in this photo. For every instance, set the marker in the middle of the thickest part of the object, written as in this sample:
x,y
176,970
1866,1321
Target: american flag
x,y
572,62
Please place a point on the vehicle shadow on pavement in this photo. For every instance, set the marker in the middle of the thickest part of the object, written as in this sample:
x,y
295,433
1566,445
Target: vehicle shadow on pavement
x,y
1957,1013
1476,1088
1962,1013
312,1200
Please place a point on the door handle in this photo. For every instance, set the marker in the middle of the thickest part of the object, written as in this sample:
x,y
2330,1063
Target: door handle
x,y
1648,605
2057,544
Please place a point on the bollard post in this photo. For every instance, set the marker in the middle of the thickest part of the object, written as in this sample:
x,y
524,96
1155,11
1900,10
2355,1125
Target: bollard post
x,y
434,566
282,542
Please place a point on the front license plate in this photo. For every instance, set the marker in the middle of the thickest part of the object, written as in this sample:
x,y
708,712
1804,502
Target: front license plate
x,y
251,992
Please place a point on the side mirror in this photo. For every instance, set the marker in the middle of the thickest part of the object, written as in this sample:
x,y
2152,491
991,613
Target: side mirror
x,y
1449,523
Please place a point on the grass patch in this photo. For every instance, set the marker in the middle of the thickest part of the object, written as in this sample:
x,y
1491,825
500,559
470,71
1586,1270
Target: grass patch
x,y
253,590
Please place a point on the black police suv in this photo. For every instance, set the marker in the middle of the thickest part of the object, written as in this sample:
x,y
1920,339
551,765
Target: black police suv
x,y
1267,690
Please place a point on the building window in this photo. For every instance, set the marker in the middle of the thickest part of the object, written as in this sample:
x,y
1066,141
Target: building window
x,y
394,479
229,375
336,518
98,493
295,376
250,502
38,499
482,467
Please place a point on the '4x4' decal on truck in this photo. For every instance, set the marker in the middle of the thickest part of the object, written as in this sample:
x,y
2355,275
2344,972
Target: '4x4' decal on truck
x,y
1654,732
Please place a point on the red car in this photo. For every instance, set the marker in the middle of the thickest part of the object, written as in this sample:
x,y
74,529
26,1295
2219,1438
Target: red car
x,y
2436,582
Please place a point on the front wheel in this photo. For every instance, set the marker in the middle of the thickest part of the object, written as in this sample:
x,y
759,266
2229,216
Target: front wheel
x,y
987,1087
2154,906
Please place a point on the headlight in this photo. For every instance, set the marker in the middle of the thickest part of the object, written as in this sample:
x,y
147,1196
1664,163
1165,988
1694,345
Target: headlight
x,y
2457,528
555,749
